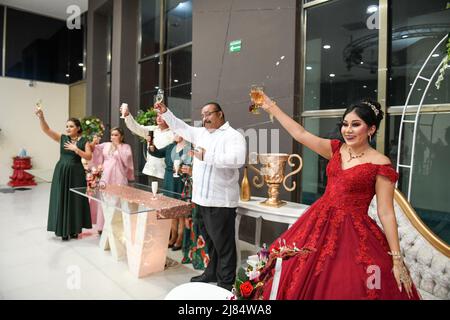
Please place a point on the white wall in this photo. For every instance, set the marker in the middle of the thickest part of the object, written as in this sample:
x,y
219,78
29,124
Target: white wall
x,y
20,126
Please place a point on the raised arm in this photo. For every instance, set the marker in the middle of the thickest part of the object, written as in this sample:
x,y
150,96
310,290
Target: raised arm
x,y
178,126
45,128
298,132
136,128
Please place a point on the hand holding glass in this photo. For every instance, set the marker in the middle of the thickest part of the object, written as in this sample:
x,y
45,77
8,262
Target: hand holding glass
x,y
159,96
123,110
257,97
176,166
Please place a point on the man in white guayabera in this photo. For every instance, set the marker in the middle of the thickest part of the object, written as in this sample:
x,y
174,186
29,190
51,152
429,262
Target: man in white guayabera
x,y
220,151
162,136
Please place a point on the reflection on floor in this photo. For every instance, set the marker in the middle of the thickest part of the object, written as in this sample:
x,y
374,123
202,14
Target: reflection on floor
x,y
34,264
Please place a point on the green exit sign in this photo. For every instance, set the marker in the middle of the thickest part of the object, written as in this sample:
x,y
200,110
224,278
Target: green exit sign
x,y
235,46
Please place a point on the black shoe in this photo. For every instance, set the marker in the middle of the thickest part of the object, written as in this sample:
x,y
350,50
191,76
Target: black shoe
x,y
74,236
225,286
66,238
203,278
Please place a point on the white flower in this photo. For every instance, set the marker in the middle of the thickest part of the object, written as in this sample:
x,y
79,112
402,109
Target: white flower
x,y
252,274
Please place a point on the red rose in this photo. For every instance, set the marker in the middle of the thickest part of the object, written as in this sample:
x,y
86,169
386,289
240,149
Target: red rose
x,y
246,289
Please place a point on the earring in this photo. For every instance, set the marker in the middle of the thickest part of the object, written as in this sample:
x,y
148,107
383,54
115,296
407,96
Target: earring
x,y
370,138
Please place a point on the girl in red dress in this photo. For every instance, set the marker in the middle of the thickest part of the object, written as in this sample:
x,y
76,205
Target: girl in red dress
x,y
335,250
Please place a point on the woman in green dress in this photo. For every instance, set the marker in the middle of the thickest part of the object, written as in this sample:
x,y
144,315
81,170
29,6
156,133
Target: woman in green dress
x,y
68,213
177,150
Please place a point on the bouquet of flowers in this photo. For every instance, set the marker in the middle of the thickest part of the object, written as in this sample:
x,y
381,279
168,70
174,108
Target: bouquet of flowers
x,y
250,281
247,279
92,126
93,178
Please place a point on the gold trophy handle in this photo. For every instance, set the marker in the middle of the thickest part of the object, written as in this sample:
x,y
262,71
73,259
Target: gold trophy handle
x,y
291,164
257,178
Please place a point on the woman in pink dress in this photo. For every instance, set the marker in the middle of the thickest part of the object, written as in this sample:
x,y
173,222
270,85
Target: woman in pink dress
x,y
335,250
116,160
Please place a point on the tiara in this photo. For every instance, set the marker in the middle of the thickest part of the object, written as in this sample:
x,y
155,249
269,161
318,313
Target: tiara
x,y
375,110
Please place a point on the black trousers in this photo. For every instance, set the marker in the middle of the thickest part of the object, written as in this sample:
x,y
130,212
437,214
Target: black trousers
x,y
218,229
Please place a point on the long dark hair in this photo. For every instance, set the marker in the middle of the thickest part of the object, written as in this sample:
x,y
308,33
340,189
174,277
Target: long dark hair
x,y
368,110
77,123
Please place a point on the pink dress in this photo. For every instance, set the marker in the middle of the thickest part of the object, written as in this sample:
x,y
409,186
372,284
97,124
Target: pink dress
x,y
118,168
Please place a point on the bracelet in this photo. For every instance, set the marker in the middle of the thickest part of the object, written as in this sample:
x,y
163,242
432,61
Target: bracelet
x,y
396,255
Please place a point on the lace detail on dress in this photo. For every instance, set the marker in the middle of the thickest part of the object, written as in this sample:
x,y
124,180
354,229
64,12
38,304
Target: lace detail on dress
x,y
388,171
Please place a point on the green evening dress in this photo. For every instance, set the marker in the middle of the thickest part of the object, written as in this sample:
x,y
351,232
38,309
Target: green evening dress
x,y
68,212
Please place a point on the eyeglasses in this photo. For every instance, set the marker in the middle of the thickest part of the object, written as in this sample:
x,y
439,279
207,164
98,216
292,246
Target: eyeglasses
x,y
207,114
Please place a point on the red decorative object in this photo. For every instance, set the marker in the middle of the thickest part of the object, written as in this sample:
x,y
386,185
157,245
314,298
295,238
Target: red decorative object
x,y
20,178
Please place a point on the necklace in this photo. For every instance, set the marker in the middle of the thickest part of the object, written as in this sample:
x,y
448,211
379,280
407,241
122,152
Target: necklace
x,y
74,140
353,156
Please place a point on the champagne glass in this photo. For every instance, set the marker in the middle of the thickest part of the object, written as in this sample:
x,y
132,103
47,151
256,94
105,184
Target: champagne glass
x,y
154,188
256,95
123,110
176,165
159,96
39,104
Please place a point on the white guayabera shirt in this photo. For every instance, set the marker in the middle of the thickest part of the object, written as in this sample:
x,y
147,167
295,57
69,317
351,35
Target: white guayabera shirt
x,y
215,180
154,167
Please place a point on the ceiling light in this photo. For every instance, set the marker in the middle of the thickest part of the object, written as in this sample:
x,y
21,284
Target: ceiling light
x,y
327,46
404,36
435,55
308,68
176,81
332,75
81,64
372,9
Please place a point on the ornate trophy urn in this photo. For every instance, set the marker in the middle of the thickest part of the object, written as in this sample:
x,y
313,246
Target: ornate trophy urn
x,y
272,173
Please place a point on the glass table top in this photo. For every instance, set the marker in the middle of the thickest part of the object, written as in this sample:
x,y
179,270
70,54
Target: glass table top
x,y
136,198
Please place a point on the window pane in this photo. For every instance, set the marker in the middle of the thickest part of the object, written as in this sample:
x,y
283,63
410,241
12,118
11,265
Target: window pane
x,y
431,176
150,26
417,26
178,23
149,83
37,47
314,179
178,66
76,43
341,54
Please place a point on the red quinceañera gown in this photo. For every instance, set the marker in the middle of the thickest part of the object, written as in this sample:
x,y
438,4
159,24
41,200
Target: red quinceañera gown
x,y
341,249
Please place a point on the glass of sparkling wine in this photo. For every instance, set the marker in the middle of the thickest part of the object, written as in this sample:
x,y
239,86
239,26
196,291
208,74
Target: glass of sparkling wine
x,y
123,110
39,104
159,96
256,95
176,166
154,188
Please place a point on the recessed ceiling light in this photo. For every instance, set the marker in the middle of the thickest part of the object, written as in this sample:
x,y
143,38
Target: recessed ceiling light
x,y
332,75
372,9
278,63
365,87
308,68
176,81
282,57
327,46
362,62
67,75
81,64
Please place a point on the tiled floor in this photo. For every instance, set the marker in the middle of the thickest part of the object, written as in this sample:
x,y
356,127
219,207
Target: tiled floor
x,y
34,264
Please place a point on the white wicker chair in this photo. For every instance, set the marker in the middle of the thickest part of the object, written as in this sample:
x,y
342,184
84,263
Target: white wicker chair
x,y
429,267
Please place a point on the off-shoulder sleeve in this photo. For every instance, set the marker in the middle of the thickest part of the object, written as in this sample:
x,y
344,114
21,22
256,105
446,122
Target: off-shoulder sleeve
x,y
388,172
335,145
